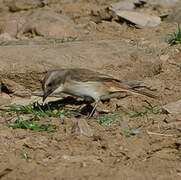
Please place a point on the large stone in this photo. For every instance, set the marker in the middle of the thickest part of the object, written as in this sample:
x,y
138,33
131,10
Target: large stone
x,y
44,22
141,19
122,5
51,24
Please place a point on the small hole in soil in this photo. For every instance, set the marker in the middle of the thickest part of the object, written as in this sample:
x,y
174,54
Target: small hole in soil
x,y
5,89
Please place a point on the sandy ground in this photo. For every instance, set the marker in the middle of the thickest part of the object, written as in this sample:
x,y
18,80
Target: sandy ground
x,y
143,147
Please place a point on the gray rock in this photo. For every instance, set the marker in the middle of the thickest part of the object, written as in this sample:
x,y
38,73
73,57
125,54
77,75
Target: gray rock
x,y
173,108
122,5
140,19
22,93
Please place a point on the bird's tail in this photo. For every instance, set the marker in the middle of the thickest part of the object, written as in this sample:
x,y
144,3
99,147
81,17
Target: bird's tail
x,y
143,93
117,87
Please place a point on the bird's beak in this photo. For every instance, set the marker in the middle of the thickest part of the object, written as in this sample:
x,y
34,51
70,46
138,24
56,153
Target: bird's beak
x,y
44,96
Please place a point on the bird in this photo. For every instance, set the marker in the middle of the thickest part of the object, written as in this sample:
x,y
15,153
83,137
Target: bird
x,y
85,83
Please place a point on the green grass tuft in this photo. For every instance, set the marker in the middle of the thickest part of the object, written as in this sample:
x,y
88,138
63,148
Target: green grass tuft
x,y
175,37
38,111
24,154
65,40
147,111
31,125
110,119
150,50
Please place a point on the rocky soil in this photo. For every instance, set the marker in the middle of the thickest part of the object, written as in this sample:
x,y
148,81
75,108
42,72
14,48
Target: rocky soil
x,y
129,137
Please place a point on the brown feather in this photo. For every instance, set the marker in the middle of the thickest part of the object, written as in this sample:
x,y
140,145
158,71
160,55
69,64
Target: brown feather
x,y
120,87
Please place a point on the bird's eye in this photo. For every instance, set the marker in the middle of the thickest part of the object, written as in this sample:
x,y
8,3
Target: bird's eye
x,y
49,85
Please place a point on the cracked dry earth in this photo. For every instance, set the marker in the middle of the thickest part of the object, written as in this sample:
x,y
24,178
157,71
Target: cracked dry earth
x,y
147,146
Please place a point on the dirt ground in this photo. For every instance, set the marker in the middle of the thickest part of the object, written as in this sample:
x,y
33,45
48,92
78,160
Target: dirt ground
x,y
147,146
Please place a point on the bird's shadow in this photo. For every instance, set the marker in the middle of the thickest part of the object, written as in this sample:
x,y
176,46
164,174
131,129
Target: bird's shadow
x,y
58,104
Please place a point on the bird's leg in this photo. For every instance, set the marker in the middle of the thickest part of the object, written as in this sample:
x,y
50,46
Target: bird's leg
x,y
93,110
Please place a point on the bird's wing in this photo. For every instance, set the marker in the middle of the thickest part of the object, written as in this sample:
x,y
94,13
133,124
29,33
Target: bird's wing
x,y
85,75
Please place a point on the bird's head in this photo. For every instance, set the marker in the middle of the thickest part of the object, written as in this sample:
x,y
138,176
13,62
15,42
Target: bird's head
x,y
51,82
